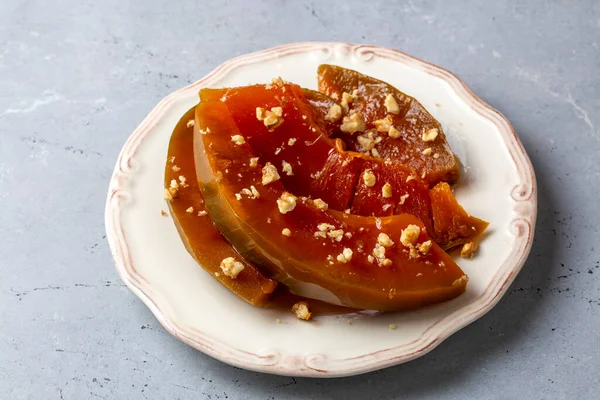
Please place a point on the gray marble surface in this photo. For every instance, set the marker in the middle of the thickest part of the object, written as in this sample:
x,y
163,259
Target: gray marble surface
x,y
76,77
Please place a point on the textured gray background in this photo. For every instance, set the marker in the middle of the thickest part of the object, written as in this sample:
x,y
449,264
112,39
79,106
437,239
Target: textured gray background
x,y
76,77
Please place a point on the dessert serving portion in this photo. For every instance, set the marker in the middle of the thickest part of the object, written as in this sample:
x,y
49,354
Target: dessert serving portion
x,y
341,195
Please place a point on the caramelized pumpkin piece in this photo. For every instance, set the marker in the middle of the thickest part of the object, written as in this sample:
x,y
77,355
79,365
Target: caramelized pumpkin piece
x,y
451,222
417,141
200,237
323,254
319,167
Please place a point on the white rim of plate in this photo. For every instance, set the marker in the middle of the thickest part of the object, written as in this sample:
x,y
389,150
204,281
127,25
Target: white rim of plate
x,y
524,196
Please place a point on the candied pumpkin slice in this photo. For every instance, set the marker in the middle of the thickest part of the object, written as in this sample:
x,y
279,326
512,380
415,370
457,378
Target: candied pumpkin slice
x,y
199,235
452,224
385,263
416,140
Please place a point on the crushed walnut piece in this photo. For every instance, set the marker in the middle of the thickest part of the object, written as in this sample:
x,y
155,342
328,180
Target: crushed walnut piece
x,y
369,178
286,202
255,192
324,227
231,267
386,262
163,213
345,255
375,152
190,123
427,151
292,141
269,174
430,135
384,240
461,280
301,310
286,232
175,168
334,113
366,141
410,178
425,247
403,198
370,258
379,252
391,105
277,81
394,133
353,123
202,213
468,250
347,99
383,125
410,235
271,118
238,196
336,234
320,204
436,156
254,161
287,168
238,139
190,210
386,190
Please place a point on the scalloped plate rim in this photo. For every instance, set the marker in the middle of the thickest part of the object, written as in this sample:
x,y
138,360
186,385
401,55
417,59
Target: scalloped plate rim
x,y
295,365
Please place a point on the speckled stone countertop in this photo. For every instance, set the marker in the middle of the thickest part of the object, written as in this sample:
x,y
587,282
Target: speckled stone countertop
x,y
76,77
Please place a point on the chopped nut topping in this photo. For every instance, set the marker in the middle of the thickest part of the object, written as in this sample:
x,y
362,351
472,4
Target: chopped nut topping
x,y
423,175
271,118
254,161
277,81
410,235
175,168
322,235
336,235
334,113
384,125
436,156
255,192
370,258
369,178
391,104
392,327
238,139
347,211
347,99
366,141
427,151
320,204
430,135
413,252
286,202
410,178
425,247
386,262
348,235
269,174
190,123
386,190
174,184
375,153
403,198
394,133
287,168
163,213
277,150
190,210
353,123
468,250
324,226
202,213
231,267
172,159
379,252
461,280
168,196
292,141
345,256
286,232
384,240
182,181
277,111
301,310
238,196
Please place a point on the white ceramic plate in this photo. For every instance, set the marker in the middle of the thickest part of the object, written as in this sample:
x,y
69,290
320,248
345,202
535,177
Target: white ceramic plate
x,y
497,184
